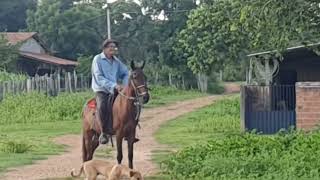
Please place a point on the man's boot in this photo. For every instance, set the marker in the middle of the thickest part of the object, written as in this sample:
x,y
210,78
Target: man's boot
x,y
103,139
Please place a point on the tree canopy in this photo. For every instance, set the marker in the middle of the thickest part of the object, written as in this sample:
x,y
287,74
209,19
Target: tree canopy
x,y
220,31
13,14
68,30
8,54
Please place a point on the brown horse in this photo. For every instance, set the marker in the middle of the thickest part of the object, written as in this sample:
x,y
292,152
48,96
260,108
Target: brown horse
x,y
126,111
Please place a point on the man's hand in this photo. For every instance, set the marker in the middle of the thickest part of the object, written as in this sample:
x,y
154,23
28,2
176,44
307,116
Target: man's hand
x,y
119,88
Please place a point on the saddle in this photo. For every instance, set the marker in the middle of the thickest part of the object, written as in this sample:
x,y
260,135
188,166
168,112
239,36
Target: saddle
x,y
92,104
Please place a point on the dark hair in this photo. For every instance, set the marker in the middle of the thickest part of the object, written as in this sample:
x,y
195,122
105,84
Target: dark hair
x,y
109,41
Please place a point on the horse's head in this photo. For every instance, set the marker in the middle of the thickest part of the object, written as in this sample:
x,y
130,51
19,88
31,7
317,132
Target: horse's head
x,y
138,81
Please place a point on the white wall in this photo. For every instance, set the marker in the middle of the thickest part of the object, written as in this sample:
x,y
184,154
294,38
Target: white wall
x,y
31,45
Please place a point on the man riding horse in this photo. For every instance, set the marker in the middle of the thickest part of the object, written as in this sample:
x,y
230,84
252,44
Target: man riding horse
x,y
107,71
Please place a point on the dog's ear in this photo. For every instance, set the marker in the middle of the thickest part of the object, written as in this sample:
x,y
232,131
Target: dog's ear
x,y
132,173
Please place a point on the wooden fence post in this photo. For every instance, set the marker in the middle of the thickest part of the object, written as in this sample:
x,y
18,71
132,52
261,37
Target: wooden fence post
x,y
75,80
183,83
69,82
81,82
1,92
59,82
65,82
29,85
47,85
243,107
4,89
170,79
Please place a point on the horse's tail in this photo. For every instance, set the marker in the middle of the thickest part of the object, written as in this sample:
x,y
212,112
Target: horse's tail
x,y
77,175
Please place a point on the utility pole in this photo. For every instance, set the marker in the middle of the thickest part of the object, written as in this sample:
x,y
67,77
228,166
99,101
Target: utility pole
x,y
108,20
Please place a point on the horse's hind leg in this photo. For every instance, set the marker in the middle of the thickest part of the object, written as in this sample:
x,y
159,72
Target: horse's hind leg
x,y
119,147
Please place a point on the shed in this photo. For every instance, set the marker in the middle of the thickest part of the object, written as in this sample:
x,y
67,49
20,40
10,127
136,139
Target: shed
x,y
35,58
282,93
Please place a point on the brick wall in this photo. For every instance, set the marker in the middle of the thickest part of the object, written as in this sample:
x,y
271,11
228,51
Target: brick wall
x,y
308,105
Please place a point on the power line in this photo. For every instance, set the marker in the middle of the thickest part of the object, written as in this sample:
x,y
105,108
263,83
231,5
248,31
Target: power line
x,y
80,22
132,12
149,13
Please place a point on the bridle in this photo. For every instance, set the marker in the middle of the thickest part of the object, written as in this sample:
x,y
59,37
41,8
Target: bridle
x,y
135,98
136,91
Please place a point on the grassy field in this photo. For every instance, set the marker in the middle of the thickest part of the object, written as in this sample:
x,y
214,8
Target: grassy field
x,y
163,95
209,145
29,122
207,123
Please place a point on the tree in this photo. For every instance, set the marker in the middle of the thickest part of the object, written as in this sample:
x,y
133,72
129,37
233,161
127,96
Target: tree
x,y
175,13
165,33
68,32
13,14
224,31
84,66
132,30
8,53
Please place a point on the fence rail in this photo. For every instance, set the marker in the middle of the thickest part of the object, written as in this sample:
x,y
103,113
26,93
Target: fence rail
x,y
51,85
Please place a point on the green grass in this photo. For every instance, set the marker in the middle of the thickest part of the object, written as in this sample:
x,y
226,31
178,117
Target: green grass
x,y
29,122
38,137
213,121
209,145
5,76
165,95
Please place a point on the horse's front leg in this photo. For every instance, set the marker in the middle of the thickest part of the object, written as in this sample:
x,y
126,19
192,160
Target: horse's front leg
x,y
119,147
130,152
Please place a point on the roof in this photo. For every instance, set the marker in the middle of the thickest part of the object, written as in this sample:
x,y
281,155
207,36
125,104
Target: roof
x,y
290,48
16,37
48,59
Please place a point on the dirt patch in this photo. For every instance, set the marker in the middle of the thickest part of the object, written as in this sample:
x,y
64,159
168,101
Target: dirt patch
x,y
61,165
231,87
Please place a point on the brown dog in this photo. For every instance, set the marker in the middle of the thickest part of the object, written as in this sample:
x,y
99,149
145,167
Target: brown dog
x,y
95,167
118,171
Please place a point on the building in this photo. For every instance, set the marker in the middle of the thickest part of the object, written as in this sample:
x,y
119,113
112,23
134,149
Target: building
x,y
282,92
35,58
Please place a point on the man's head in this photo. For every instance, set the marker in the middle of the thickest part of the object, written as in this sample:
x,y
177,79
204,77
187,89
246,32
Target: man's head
x,y
110,47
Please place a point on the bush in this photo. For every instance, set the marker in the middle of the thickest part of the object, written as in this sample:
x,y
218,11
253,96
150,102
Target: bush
x,y
215,88
249,156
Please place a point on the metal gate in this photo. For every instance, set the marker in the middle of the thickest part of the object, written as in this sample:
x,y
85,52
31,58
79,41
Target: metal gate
x,y
268,108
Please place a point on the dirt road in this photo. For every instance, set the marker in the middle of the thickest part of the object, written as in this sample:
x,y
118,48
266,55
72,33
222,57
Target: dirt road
x,y
61,165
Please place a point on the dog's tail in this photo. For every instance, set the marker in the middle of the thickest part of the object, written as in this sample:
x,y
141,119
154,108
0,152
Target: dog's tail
x,y
77,175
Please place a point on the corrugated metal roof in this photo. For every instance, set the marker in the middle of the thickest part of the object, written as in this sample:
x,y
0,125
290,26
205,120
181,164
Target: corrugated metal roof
x,y
290,48
48,59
